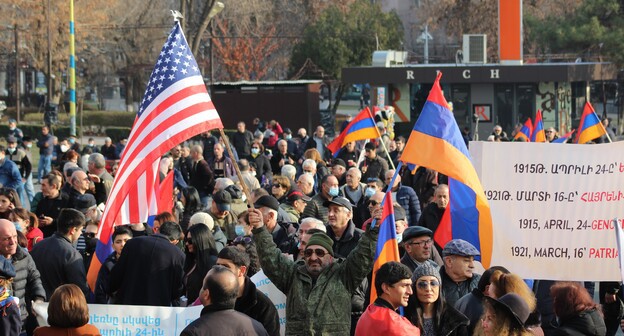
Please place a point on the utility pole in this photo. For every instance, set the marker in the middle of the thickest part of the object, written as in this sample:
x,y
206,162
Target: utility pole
x,y
17,74
50,89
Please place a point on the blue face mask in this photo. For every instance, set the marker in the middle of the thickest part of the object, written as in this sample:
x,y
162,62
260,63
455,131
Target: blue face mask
x,y
255,150
240,230
333,191
369,192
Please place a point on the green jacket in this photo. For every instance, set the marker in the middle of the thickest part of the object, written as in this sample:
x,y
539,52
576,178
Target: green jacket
x,y
321,307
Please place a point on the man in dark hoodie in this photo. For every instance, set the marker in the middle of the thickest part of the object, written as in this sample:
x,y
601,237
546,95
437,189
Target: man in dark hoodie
x,y
250,301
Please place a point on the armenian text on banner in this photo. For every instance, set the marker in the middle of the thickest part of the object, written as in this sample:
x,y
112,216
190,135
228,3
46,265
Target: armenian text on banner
x,y
553,207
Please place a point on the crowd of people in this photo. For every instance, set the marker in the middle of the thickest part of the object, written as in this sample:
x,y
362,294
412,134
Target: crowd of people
x,y
312,230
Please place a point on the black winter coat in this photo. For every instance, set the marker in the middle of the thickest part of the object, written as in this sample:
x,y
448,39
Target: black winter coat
x,y
223,321
259,307
27,282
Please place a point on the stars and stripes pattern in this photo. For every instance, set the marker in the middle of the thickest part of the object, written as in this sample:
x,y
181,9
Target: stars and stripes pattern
x,y
176,106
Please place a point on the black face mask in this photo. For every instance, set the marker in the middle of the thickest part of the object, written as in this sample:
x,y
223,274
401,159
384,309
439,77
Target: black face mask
x,y
90,243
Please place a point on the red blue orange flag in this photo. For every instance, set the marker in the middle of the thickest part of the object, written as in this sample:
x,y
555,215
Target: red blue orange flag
x,y
387,245
362,127
590,127
538,134
526,131
564,138
436,143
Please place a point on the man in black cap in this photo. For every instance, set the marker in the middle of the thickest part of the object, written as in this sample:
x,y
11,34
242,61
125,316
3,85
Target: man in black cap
x,y
221,212
295,204
418,244
283,233
342,230
339,169
458,278
318,289
373,165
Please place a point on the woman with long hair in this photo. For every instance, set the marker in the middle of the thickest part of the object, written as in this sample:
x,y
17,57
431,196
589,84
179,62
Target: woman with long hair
x,y
505,316
201,255
427,308
577,313
9,200
29,225
192,203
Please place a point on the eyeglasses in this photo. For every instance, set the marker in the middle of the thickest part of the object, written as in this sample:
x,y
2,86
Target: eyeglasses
x,y
319,253
188,241
277,185
242,239
548,132
372,203
426,284
424,242
89,234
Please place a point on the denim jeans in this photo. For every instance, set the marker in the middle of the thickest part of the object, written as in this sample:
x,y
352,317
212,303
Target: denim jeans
x,y
45,166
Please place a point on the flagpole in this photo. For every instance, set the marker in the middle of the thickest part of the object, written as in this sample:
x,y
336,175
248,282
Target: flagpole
x,y
383,201
370,114
387,153
238,172
72,71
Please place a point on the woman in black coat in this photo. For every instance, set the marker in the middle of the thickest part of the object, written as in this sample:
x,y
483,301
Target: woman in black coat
x,y
201,255
427,308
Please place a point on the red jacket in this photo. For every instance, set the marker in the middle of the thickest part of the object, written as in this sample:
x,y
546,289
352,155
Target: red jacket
x,y
380,320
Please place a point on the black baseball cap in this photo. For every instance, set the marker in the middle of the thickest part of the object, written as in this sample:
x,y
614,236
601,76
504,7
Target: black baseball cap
x,y
267,201
340,201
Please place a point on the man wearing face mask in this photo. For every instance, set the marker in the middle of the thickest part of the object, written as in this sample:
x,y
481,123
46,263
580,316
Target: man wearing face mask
x,y
316,207
14,131
73,144
90,146
19,157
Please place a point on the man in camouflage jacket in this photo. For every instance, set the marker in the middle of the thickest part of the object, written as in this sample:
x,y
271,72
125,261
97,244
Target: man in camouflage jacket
x,y
318,288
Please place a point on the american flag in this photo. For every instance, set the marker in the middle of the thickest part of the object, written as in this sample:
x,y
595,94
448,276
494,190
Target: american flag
x,y
175,107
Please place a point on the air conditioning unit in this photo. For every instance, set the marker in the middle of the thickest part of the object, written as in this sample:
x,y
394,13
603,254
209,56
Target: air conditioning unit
x,y
475,48
388,58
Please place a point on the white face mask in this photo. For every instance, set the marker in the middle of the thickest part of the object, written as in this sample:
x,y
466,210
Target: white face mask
x,y
253,173
11,150
64,148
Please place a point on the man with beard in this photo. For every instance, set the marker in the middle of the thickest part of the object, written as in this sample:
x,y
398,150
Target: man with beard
x,y
318,288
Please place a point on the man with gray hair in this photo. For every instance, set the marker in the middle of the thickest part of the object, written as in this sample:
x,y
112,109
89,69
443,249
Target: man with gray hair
x,y
249,180
309,167
305,182
109,150
289,171
221,165
201,176
102,180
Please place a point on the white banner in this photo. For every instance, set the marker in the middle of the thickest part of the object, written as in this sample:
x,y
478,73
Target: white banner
x,y
133,320
264,284
553,207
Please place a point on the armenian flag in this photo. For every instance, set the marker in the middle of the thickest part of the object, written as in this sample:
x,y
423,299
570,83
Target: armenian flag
x,y
526,131
362,127
564,138
387,245
538,134
436,143
590,127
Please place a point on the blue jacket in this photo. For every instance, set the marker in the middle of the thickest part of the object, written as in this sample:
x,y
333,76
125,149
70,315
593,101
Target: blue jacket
x,y
406,197
10,176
